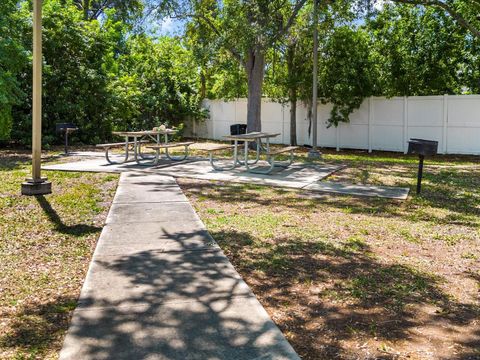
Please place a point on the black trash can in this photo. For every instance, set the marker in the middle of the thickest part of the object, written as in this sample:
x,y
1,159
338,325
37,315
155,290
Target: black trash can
x,y
238,129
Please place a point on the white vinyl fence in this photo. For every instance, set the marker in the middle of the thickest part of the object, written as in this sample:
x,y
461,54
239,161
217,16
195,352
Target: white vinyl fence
x,y
379,124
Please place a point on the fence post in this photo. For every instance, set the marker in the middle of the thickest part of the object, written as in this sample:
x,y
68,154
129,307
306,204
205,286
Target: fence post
x,y
445,123
213,120
337,134
405,124
370,123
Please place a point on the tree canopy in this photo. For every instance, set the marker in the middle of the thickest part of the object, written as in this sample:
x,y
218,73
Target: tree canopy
x,y
105,69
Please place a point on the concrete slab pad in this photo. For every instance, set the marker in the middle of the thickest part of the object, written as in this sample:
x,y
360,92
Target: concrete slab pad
x,y
296,176
234,329
389,192
130,238
177,212
156,277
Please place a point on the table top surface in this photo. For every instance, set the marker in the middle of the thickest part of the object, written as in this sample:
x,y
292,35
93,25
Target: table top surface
x,y
251,136
144,132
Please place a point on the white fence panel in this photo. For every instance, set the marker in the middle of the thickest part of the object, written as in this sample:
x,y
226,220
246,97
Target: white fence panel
x,y
387,124
327,137
379,123
425,118
463,126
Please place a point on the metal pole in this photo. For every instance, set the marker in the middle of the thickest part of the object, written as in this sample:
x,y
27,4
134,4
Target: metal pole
x,y
37,91
420,174
37,185
66,141
313,153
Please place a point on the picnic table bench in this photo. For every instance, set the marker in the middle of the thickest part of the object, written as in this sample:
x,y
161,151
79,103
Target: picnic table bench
x,y
212,148
107,147
166,146
271,159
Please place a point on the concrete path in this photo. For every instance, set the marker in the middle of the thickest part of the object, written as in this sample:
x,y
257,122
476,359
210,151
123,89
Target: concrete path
x,y
297,176
389,192
159,287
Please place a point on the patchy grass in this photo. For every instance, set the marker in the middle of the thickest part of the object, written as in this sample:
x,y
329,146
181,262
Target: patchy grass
x,y
46,243
360,278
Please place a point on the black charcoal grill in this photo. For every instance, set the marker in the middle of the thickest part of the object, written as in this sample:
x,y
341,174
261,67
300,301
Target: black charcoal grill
x,y
422,148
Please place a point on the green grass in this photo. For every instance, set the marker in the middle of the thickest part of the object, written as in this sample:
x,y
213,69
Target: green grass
x,y
46,245
365,270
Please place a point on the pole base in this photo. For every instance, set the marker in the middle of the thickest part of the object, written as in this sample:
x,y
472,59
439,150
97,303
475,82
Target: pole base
x,y
38,187
314,154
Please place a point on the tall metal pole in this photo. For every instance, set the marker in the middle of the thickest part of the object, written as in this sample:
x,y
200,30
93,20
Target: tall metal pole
x,y
314,153
37,90
37,185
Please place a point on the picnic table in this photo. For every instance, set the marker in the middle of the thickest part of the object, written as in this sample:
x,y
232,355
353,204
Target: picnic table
x,y
246,139
137,138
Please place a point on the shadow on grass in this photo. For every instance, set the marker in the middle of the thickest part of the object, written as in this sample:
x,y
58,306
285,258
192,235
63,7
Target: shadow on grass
x,y
75,230
359,297
38,326
13,161
456,192
16,160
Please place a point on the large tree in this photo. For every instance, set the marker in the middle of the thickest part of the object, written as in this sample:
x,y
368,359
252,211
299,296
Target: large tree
x,y
288,76
246,29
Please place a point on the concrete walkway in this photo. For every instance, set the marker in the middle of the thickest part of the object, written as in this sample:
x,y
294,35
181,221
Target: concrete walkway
x,y
297,176
159,287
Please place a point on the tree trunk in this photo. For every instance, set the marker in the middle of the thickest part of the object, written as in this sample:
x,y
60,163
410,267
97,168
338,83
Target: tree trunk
x,y
86,9
292,92
203,84
293,121
255,67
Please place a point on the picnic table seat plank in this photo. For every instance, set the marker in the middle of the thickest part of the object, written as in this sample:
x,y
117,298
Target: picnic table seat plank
x,y
211,148
215,147
107,147
282,150
271,160
166,146
169,145
119,144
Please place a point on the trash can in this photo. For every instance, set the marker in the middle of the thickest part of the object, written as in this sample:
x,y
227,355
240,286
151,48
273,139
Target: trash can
x,y
238,129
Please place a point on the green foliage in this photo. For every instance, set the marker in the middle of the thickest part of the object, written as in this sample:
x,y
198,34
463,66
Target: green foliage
x,y
346,72
419,52
98,75
156,83
12,58
125,10
75,74
103,72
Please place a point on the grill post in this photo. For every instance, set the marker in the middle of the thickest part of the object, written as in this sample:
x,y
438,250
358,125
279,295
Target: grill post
x,y
66,128
66,142
420,173
422,147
